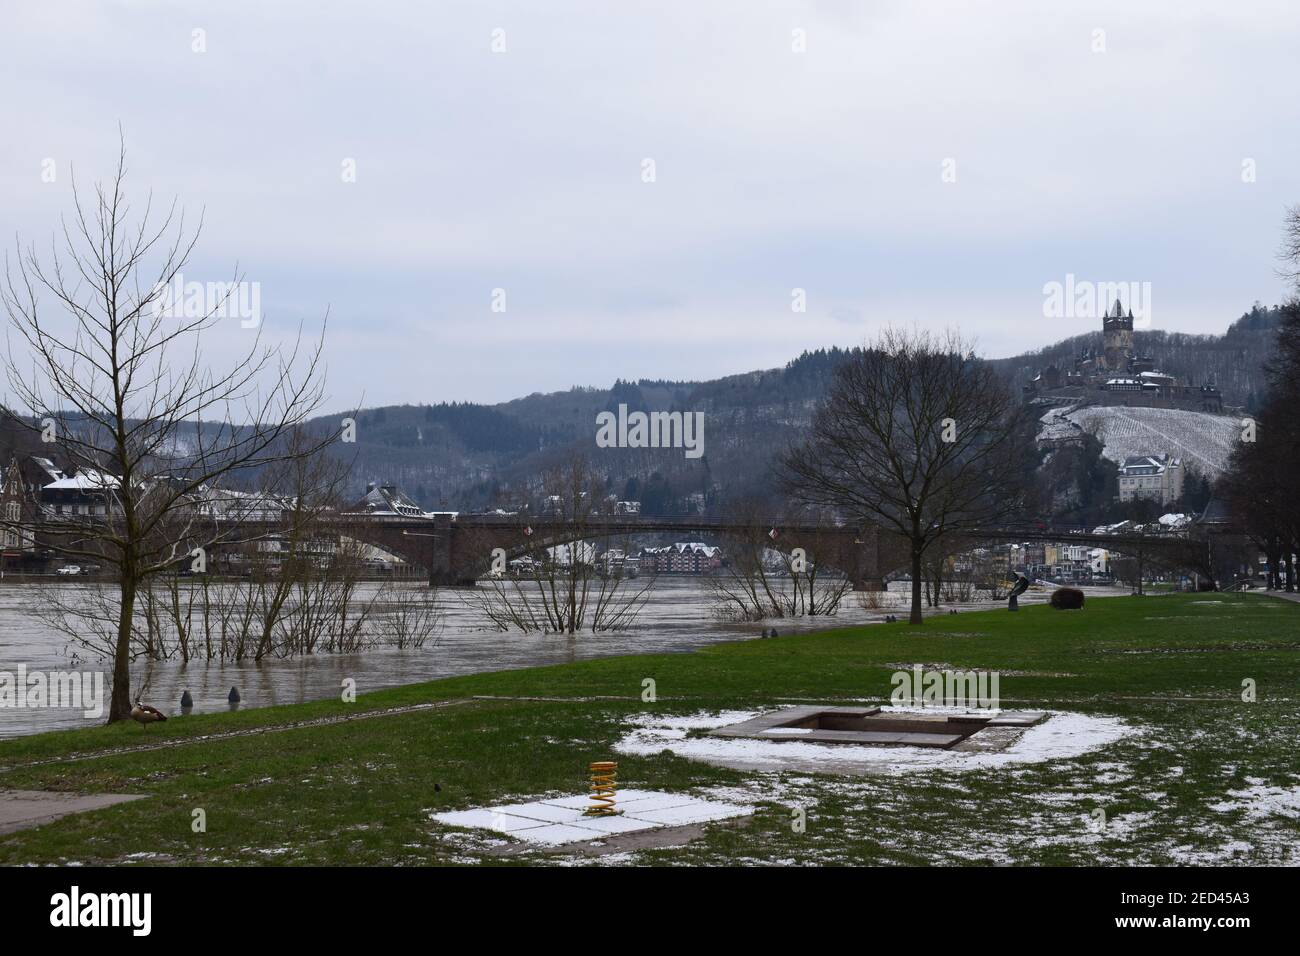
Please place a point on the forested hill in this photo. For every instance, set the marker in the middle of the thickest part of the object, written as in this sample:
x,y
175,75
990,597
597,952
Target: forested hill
x,y
463,455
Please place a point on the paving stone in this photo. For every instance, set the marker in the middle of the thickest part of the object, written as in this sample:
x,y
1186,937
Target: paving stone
x,y
545,812
560,820
1018,719
930,740
557,833
620,823
700,812
848,711
581,803
487,820
655,801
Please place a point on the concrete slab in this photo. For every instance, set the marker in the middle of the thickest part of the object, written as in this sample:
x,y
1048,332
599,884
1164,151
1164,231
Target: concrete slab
x,y
539,811
614,824
871,726
490,820
1021,718
554,822
22,809
930,740
785,717
677,816
625,797
554,834
655,801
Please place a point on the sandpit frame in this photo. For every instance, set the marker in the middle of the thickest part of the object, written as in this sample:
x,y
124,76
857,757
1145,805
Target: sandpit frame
x,y
873,726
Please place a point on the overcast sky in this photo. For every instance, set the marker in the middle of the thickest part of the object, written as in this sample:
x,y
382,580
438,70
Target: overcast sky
x,y
774,169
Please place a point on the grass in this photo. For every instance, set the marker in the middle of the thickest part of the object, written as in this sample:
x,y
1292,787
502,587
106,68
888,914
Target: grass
x,y
360,792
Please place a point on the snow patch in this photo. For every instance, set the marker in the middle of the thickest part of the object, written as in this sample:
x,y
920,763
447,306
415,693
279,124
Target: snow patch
x,y
1261,802
1061,736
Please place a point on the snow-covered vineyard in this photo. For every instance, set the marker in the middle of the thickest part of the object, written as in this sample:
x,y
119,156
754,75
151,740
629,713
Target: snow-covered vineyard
x,y
1201,440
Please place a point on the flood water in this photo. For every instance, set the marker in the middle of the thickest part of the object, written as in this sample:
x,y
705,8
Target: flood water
x,y
678,617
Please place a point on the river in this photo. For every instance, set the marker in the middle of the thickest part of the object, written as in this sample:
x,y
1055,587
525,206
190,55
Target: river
x,y
678,617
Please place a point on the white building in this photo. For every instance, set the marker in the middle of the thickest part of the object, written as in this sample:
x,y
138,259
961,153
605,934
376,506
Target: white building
x,y
1158,477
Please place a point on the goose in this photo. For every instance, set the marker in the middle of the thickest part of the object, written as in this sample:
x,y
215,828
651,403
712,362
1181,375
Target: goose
x,y
145,715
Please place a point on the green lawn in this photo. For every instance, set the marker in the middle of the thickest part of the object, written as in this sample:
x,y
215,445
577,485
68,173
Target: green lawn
x,y
1204,777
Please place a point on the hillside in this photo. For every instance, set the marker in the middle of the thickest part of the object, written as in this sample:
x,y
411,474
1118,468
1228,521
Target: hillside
x,y
1202,441
468,456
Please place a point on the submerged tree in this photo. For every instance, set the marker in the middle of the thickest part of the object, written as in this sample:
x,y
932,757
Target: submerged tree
x,y
572,582
758,579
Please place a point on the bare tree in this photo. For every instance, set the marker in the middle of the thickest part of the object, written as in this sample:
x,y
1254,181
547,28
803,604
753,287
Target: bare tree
x,y
564,588
916,435
760,580
409,615
118,386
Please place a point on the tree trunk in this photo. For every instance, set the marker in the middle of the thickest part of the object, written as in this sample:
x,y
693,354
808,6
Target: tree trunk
x,y
120,707
916,586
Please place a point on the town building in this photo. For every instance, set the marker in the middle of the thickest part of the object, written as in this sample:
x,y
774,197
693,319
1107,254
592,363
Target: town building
x,y
683,557
1155,477
17,510
88,493
386,500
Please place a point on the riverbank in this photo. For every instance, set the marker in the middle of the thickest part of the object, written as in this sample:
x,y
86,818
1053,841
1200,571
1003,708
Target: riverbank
x,y
1198,775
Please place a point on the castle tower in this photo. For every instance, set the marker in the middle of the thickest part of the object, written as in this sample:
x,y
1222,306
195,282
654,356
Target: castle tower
x,y
1117,335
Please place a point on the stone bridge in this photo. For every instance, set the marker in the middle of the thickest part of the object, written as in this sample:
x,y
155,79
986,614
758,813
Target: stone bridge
x,y
457,549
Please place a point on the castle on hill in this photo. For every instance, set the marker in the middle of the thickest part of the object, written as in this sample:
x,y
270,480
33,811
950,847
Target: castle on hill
x,y
1117,375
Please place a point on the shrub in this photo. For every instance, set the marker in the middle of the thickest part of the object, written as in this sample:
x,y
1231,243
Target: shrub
x,y
1067,599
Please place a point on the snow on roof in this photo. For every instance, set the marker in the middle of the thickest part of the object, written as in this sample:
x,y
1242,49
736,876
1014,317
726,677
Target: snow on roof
x,y
47,466
87,480
683,546
387,499
1110,528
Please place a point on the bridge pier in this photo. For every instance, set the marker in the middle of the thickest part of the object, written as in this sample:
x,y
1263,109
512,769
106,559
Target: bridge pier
x,y
866,561
439,562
